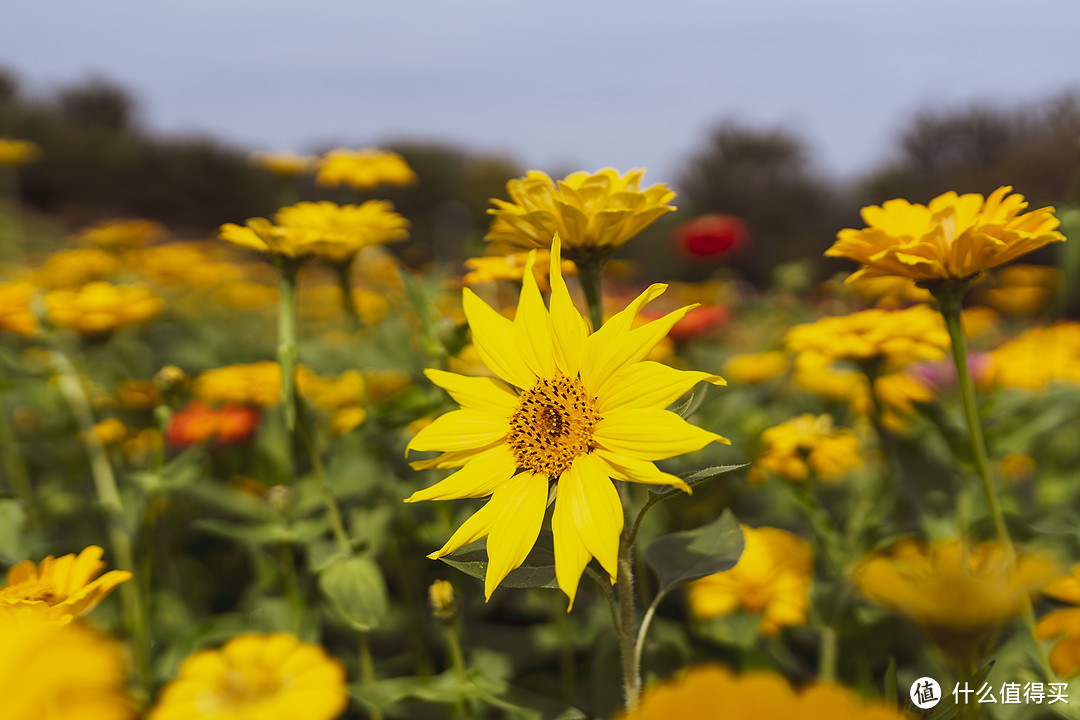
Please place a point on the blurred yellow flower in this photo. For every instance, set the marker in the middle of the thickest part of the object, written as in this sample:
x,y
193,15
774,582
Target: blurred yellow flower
x,y
59,589
1017,467
954,592
772,579
121,235
136,394
890,291
257,384
50,671
75,267
186,264
110,431
255,677
98,309
886,339
18,152
1038,357
15,314
283,163
593,214
710,692
1024,290
1065,657
511,267
320,229
442,601
756,368
806,444
954,238
363,169
585,410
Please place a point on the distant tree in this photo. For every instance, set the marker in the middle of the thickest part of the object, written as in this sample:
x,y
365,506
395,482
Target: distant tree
x,y
98,104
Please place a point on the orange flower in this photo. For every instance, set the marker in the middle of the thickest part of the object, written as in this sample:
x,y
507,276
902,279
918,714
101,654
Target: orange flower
x,y
198,423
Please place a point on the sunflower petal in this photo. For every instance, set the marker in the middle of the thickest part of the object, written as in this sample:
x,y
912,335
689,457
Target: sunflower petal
x,y
650,434
630,469
521,504
480,477
495,340
459,430
483,394
596,510
650,384
571,555
475,528
568,328
533,326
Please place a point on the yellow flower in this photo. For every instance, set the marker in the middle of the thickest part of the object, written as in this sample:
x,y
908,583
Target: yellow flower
x,y
363,169
15,314
710,692
110,431
257,384
1038,357
809,443
442,600
954,238
889,339
1016,468
586,410
284,164
119,235
889,291
772,579
1024,290
953,591
72,268
255,677
756,368
18,152
98,309
59,589
512,267
50,671
320,229
593,214
1065,657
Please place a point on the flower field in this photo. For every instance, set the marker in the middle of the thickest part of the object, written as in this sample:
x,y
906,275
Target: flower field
x,y
282,472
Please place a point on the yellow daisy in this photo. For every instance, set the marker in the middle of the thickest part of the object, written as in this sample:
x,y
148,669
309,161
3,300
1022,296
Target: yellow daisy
x,y
59,589
256,677
567,406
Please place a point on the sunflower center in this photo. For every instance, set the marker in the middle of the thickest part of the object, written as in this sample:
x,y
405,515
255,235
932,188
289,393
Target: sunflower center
x,y
553,424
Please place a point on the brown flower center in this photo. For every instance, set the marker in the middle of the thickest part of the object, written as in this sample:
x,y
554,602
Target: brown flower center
x,y
553,424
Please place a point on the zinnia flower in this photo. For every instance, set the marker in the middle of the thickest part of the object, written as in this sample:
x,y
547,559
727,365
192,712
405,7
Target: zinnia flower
x,y
15,314
284,164
1065,657
98,309
593,214
256,677
323,229
119,235
75,267
199,423
363,169
18,152
257,384
59,589
1038,357
51,671
586,410
512,267
715,693
756,368
772,578
954,238
810,443
711,236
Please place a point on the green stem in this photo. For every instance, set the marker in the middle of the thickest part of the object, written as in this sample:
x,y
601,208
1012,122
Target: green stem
x,y
109,498
625,588
457,661
15,467
643,631
827,655
342,271
567,672
949,305
589,275
367,669
287,351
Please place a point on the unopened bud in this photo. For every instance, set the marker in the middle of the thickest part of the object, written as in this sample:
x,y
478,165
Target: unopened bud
x,y
443,602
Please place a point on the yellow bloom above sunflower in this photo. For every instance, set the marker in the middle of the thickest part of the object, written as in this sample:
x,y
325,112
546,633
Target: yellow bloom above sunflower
x,y
512,267
809,443
263,677
320,229
955,237
772,579
98,309
1038,357
567,406
15,314
593,214
1065,657
59,589
284,164
18,152
710,692
61,671
363,169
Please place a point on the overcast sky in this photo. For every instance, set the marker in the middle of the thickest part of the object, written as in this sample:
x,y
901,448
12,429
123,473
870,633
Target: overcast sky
x,y
567,84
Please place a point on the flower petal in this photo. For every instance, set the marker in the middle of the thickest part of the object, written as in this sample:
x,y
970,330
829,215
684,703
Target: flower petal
x,y
459,430
631,469
650,384
650,434
596,510
571,555
520,503
475,528
495,340
533,326
483,394
481,476
568,328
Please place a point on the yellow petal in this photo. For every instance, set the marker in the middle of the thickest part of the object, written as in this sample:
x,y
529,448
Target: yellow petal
x,y
650,434
483,394
521,504
480,477
631,469
571,555
650,384
459,430
475,528
568,328
454,459
495,340
596,509
533,326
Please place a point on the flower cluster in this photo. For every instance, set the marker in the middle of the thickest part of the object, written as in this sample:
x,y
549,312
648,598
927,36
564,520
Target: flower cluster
x,y
363,169
806,444
1064,624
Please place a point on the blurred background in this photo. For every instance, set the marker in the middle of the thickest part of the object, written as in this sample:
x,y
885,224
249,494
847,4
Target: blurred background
x,y
790,116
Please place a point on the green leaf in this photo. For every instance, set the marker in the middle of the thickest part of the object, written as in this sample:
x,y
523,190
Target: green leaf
x,y
695,479
268,533
538,570
425,310
356,589
12,520
948,708
684,556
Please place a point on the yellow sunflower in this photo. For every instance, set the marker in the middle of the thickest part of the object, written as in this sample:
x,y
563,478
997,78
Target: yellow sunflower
x,y
59,589
567,406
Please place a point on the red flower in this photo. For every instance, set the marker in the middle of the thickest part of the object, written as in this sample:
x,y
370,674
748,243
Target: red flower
x,y
198,423
711,236
699,321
